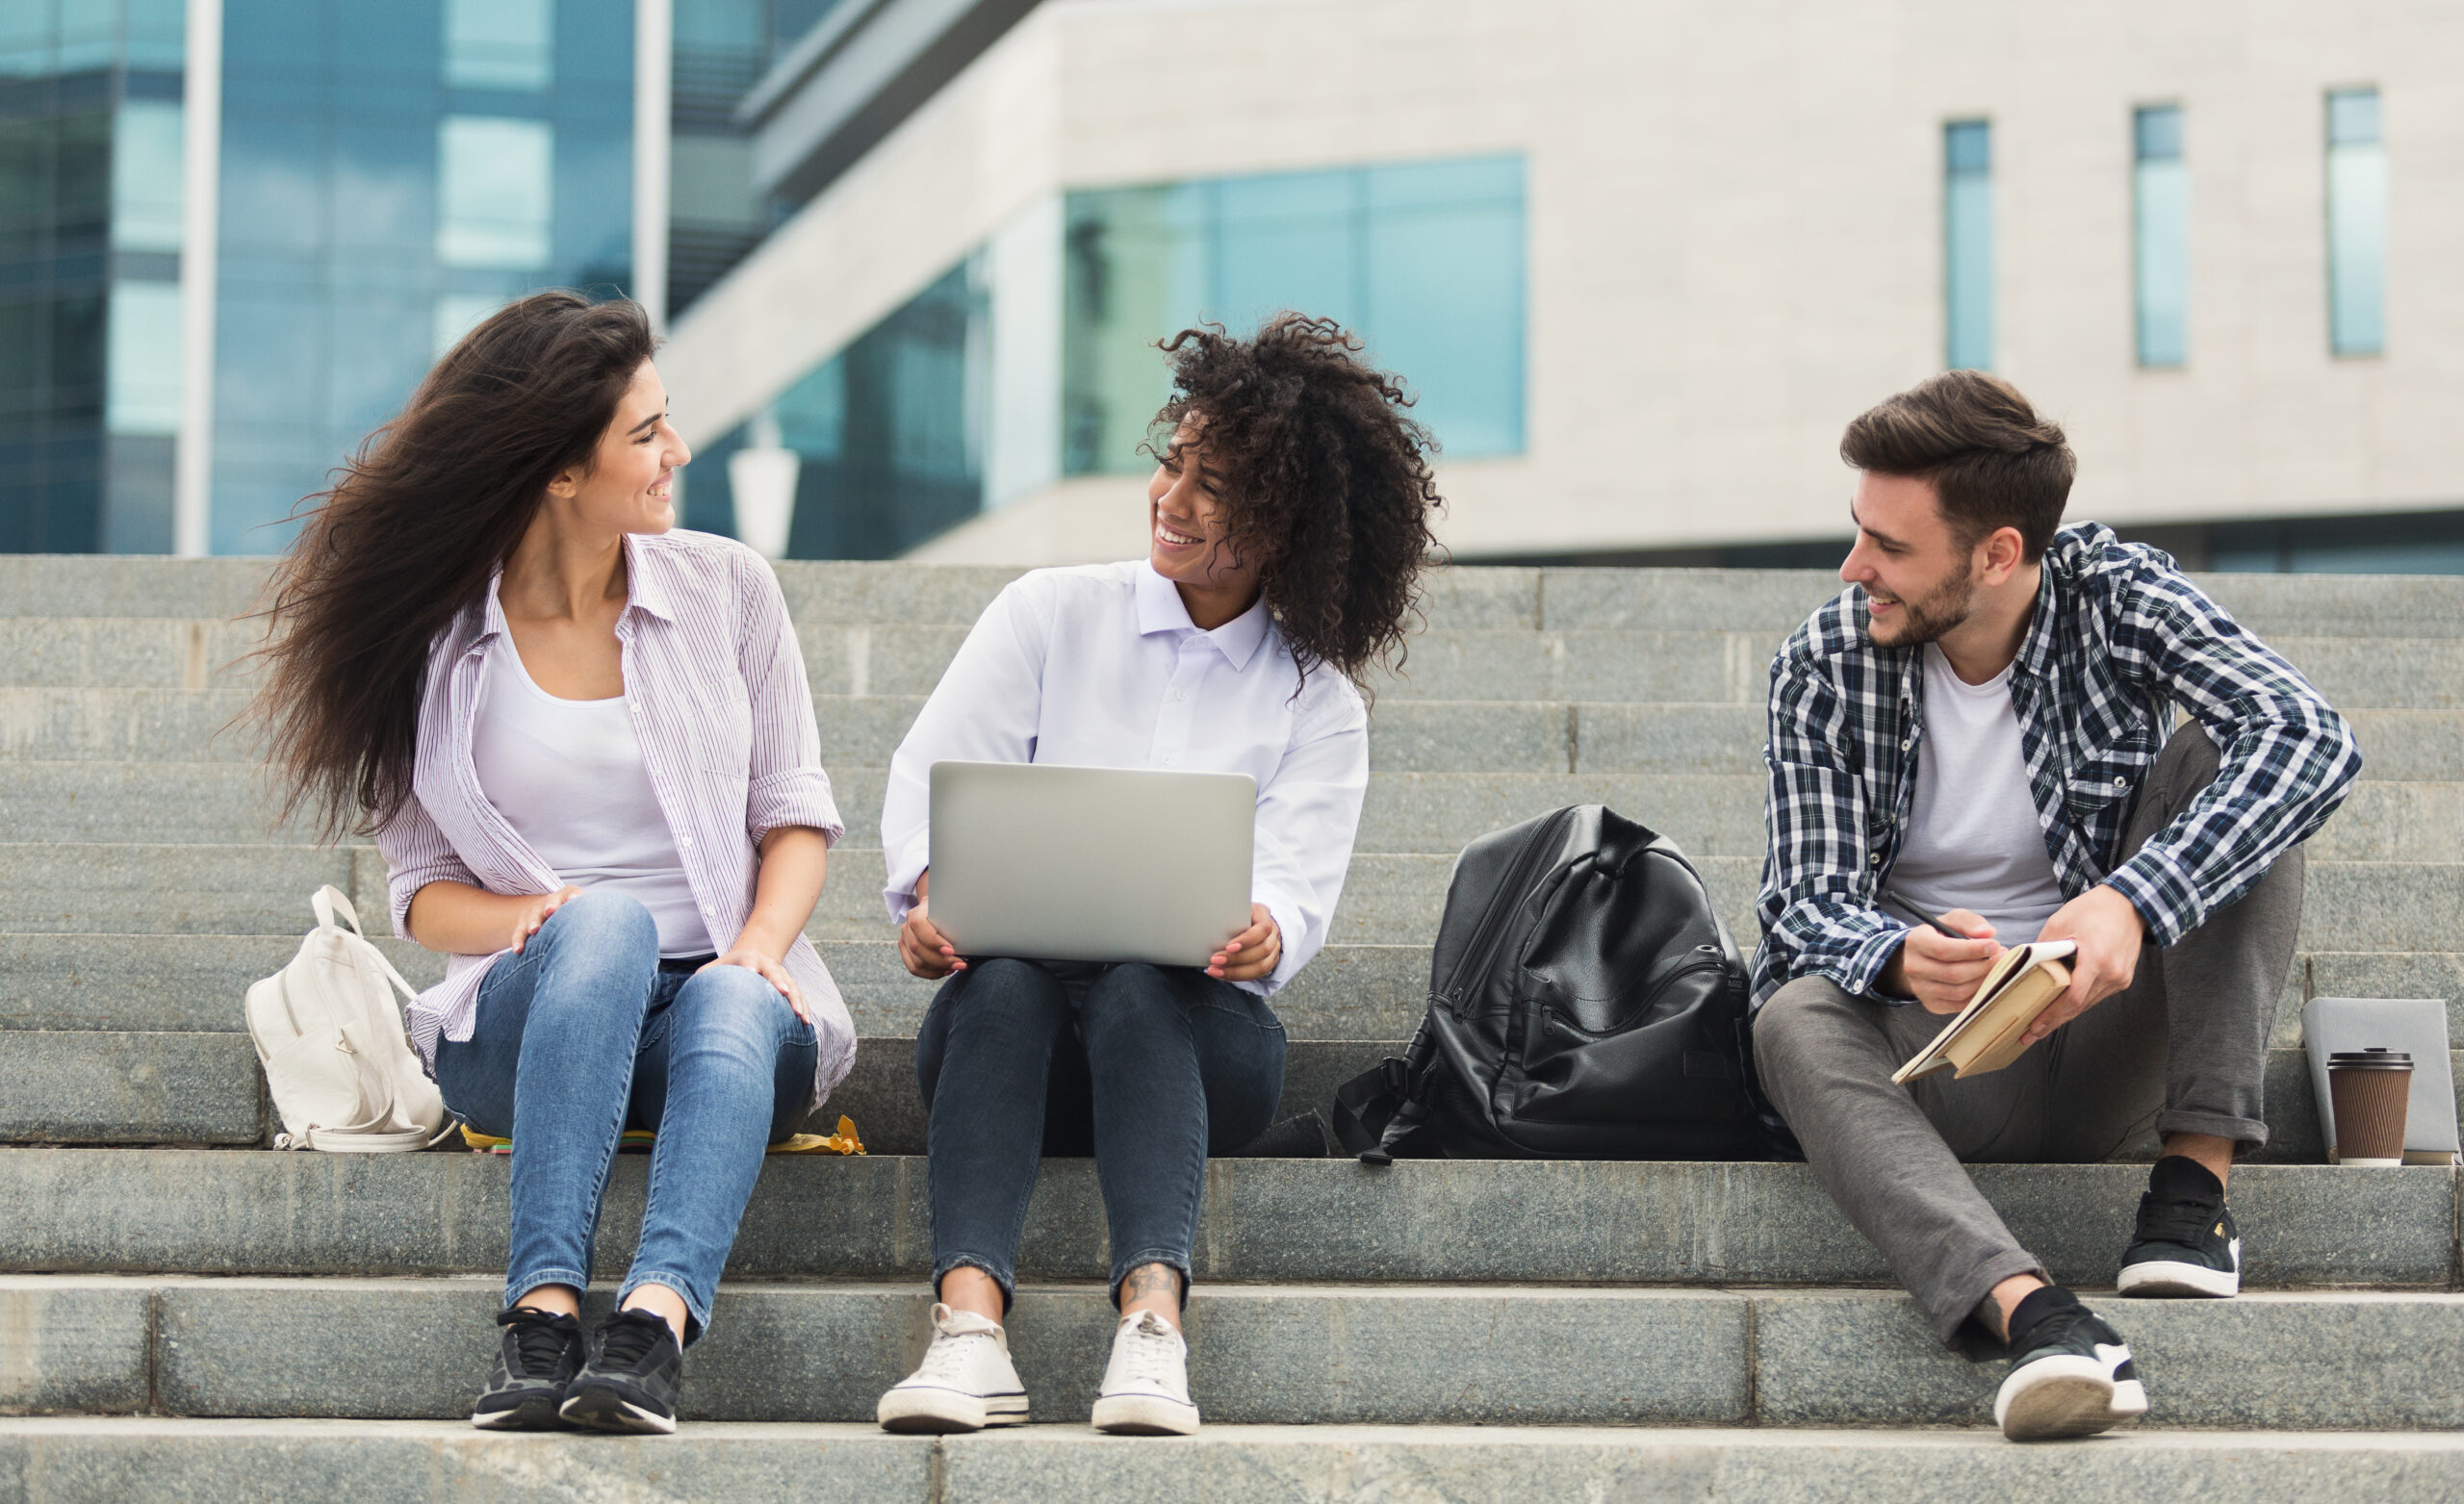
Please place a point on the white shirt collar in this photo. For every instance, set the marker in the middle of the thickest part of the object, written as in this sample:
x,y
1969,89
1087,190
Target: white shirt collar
x,y
1160,609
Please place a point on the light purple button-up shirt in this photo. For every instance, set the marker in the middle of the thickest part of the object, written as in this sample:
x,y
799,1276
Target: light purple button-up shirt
x,y
717,690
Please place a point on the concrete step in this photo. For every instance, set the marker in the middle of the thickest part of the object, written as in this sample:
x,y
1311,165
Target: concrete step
x,y
2361,606
161,1087
237,1212
1390,898
1260,1354
163,1460
192,983
1452,660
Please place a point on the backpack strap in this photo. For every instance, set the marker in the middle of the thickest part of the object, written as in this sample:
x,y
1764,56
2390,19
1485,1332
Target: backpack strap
x,y
330,900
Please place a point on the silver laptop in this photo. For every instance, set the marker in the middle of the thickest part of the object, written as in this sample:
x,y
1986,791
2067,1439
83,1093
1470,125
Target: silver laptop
x,y
1090,864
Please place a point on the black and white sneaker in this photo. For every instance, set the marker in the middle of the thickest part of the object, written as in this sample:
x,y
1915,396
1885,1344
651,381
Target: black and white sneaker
x,y
2185,1242
635,1374
538,1358
2070,1374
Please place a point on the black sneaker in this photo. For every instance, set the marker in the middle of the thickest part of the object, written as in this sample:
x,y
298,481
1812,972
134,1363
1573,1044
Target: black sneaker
x,y
2185,1243
2070,1374
539,1356
635,1374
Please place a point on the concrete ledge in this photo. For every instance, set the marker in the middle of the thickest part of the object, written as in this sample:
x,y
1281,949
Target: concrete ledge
x,y
1303,1354
91,1087
243,1213
71,1346
310,1462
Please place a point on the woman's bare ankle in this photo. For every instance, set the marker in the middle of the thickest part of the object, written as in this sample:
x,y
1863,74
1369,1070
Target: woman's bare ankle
x,y
970,1289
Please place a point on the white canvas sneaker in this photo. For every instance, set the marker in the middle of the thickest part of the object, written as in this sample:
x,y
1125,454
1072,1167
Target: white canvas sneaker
x,y
965,1383
1147,1385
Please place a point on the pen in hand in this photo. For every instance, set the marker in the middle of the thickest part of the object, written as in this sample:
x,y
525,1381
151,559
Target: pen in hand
x,y
1890,897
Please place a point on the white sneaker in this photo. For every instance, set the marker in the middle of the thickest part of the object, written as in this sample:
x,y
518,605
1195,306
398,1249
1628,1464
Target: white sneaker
x,y
965,1383
1147,1385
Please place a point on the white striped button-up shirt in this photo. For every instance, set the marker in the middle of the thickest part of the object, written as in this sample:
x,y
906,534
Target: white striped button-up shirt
x,y
716,687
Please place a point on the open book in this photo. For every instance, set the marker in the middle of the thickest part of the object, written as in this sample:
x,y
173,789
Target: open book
x,y
1988,1034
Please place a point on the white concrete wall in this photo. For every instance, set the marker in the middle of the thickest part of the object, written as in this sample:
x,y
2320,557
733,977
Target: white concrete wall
x,y
1734,235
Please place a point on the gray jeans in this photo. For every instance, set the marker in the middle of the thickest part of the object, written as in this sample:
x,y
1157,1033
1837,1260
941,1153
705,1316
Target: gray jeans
x,y
2182,1050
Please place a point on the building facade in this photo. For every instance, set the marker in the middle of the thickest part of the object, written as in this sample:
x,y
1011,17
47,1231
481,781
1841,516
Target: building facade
x,y
1642,260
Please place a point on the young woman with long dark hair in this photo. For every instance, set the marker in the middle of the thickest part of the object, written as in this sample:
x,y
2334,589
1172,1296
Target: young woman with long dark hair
x,y
586,748
1289,519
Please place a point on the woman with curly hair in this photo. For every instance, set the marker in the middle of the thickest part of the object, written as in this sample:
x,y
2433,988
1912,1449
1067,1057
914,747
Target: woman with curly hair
x,y
1289,519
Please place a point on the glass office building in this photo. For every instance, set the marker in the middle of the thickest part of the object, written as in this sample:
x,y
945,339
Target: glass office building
x,y
1423,261
2160,188
390,173
89,267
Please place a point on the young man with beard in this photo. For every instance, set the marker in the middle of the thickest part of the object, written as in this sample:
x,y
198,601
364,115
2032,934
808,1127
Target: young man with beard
x,y
1982,726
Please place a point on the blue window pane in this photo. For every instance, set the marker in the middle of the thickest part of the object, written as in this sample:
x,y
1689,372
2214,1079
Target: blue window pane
x,y
494,192
505,45
1967,245
143,358
147,178
1967,146
2352,117
2157,133
1446,313
2357,225
2161,214
1423,261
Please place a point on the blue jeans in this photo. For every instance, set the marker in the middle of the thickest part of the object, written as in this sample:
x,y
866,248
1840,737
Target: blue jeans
x,y
587,1033
1150,1068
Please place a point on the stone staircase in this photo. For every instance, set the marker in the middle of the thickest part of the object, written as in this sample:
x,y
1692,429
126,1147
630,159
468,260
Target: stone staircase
x,y
185,1315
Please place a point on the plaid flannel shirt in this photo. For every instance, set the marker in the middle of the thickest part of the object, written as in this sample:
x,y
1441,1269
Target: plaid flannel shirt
x,y
2117,633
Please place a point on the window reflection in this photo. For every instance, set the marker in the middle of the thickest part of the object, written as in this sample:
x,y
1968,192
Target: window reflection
x,y
505,45
1423,260
1967,245
2161,216
495,181
2357,224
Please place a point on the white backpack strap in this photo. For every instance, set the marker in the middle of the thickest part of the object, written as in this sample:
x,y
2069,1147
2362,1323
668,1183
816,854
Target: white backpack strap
x,y
329,901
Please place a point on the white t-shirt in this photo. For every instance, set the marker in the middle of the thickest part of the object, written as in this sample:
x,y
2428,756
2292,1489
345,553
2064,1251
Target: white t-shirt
x,y
567,775
1973,841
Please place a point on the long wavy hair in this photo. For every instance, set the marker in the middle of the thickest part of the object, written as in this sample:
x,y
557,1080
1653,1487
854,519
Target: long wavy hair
x,y
1326,482
412,528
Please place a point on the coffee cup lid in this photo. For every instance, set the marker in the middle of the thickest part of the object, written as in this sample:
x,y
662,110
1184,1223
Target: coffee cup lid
x,y
2373,1059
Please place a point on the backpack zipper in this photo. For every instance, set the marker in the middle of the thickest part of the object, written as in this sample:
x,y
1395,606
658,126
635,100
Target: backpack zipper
x,y
1490,932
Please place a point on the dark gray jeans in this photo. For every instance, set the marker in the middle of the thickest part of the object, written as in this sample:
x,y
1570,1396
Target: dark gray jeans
x,y
2182,1050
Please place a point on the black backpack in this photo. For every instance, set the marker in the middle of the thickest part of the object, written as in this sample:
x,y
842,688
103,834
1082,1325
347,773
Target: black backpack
x,y
1585,1002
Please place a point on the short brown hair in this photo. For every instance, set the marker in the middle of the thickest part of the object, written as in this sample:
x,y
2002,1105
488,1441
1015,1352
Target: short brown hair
x,y
1991,461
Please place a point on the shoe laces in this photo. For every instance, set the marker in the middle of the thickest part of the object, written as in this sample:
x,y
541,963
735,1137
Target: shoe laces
x,y
1149,1350
629,1339
945,1361
540,1339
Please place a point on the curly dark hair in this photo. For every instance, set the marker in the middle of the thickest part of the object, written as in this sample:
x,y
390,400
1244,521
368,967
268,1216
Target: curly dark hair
x,y
1325,481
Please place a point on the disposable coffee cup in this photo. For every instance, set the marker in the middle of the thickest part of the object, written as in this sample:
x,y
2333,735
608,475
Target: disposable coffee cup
x,y
2370,1090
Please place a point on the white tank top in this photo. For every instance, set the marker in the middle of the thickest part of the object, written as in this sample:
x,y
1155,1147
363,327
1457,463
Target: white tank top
x,y
1973,839
567,775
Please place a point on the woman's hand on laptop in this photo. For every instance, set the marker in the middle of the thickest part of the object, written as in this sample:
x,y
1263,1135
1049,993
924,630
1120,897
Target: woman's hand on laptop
x,y
926,952
1252,953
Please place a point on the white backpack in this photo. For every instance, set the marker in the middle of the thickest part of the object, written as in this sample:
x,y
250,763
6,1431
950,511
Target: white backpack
x,y
330,1038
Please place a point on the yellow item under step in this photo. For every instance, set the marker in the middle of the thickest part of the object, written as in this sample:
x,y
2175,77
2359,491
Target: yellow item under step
x,y
638,1140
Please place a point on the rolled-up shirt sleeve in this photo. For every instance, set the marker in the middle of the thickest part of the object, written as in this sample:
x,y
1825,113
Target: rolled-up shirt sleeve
x,y
984,709
786,783
416,854
1308,815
